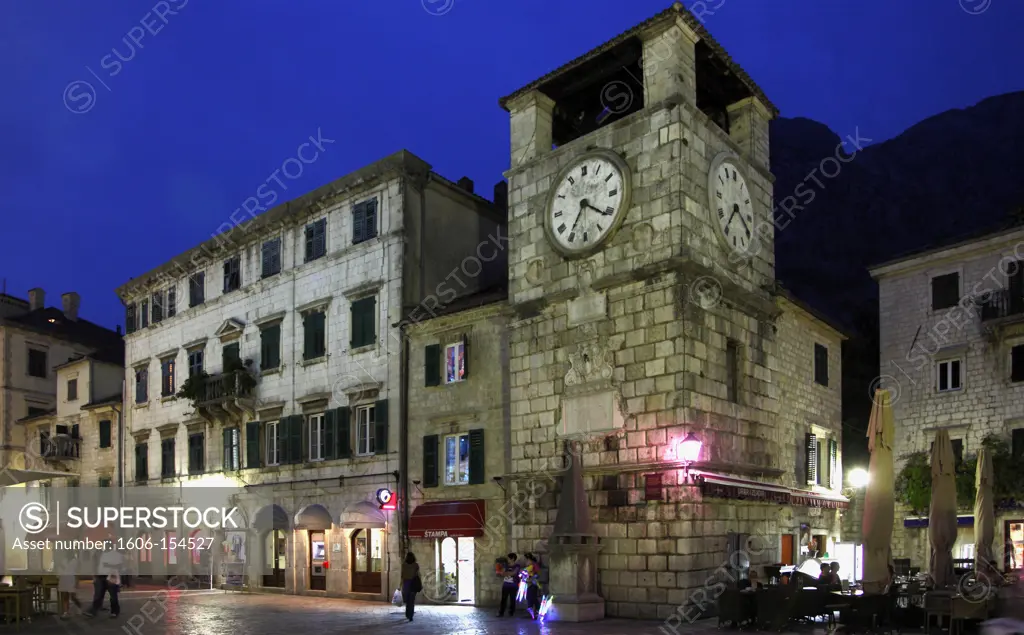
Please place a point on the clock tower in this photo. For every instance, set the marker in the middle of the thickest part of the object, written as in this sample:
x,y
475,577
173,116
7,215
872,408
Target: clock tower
x,y
641,266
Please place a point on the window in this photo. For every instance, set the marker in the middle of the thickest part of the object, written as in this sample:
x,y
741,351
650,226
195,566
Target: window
x,y
271,258
949,377
172,301
141,385
167,377
130,312
74,431
820,365
197,288
230,355
105,435
196,454
72,390
37,363
316,239
141,461
945,291
365,431
364,322
811,459
315,342
105,481
958,452
158,307
317,437
273,450
364,221
823,462
454,362
1018,443
232,274
232,449
432,365
195,362
144,317
167,469
732,371
270,347
1017,363
456,459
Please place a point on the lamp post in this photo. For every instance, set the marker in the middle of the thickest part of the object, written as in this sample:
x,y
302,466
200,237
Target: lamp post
x,y
689,451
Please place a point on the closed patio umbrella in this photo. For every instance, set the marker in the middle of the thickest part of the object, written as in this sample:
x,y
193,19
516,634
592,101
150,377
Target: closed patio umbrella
x,y
942,514
984,514
878,499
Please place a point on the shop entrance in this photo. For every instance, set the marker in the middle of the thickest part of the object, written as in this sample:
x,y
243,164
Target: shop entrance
x,y
367,560
456,560
317,561
1013,552
275,545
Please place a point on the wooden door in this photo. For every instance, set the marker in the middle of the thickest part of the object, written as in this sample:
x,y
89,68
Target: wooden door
x,y
787,550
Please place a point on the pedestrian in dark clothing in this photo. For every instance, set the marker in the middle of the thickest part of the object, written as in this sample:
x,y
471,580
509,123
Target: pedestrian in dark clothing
x,y
510,585
532,573
411,584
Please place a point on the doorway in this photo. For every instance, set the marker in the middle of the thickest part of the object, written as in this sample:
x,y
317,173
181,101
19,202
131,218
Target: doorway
x,y
787,550
275,545
367,547
457,559
1013,551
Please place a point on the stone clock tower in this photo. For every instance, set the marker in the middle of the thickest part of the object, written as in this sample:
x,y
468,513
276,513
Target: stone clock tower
x,y
641,263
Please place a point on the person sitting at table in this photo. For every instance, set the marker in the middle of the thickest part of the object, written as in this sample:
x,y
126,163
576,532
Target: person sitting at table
x,y
834,570
751,581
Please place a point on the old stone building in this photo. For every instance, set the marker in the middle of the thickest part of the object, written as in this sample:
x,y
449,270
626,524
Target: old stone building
x,y
267,360
641,264
952,355
460,448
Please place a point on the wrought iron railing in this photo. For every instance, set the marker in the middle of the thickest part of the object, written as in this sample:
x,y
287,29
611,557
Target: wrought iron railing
x,y
1001,304
217,388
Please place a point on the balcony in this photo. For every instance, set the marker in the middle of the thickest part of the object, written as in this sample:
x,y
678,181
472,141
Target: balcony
x,y
223,396
1004,307
63,447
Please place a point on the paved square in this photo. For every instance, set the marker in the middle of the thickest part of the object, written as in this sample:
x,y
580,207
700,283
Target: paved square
x,y
219,613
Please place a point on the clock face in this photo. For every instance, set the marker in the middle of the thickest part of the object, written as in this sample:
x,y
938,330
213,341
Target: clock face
x,y
588,203
731,206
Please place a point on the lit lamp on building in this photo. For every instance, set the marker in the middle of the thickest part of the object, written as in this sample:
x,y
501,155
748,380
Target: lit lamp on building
x,y
857,478
689,451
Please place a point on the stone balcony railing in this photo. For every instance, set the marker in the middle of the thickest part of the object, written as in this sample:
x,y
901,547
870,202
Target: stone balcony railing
x,y
226,394
63,447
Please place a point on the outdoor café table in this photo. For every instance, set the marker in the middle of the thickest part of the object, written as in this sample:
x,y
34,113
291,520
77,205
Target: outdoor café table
x,y
17,603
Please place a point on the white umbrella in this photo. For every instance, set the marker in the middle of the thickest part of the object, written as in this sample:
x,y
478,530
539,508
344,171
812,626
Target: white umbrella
x,y
879,507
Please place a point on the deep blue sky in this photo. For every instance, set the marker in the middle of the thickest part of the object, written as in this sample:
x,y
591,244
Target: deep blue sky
x,y
227,90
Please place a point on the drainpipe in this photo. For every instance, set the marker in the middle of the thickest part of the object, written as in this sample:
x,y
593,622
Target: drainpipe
x,y
403,446
120,442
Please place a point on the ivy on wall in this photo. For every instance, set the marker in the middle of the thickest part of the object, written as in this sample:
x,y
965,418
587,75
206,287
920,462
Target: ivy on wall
x,y
914,482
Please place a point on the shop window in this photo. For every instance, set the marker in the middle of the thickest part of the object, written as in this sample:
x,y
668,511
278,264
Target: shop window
x,y
365,428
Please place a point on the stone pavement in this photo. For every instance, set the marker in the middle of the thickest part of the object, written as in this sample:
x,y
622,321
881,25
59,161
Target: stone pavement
x,y
219,613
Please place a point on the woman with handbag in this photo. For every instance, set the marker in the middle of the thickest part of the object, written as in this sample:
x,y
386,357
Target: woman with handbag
x,y
411,584
109,581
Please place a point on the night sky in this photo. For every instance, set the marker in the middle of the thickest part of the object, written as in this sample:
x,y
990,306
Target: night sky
x,y
204,111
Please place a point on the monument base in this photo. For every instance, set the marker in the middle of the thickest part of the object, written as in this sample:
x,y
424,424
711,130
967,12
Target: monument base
x,y
575,612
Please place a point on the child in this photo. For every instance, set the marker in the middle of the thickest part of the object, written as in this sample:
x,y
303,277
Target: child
x,y
532,576
67,586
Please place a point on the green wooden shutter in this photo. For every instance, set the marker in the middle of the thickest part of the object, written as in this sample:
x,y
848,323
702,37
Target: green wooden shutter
x,y
281,432
331,434
812,459
141,462
476,457
380,427
307,336
297,449
253,458
358,223
833,464
344,433
430,460
370,228
465,357
432,365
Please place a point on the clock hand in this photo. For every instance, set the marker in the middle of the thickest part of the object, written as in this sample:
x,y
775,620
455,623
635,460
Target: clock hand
x,y
745,228
599,211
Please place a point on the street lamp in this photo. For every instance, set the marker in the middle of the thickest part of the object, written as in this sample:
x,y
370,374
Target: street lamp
x,y
689,451
857,478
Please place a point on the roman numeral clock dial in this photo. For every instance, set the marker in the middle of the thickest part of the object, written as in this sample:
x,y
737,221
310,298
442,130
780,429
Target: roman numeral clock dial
x,y
587,203
731,204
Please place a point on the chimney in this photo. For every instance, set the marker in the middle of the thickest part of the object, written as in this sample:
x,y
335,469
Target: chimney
x,y
36,299
466,183
71,301
501,197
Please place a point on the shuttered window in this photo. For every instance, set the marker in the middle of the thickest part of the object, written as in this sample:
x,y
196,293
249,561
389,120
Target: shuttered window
x,y
314,335
252,444
364,322
270,347
130,312
380,424
833,464
316,239
812,459
477,459
364,221
105,435
167,467
344,433
196,454
430,447
158,307
232,274
820,365
172,301
432,365
197,289
141,385
141,461
232,449
271,258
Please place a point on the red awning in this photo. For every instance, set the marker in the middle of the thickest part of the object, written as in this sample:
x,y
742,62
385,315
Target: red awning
x,y
814,499
742,489
449,519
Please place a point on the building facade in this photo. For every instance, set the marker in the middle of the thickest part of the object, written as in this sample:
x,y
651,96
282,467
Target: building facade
x,y
267,361
641,264
952,356
460,449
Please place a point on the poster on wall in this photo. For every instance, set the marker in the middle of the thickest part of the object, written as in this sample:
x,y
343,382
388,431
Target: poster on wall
x,y
234,546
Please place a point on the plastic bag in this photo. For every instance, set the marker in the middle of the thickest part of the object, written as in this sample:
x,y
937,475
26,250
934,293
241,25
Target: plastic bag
x,y
396,599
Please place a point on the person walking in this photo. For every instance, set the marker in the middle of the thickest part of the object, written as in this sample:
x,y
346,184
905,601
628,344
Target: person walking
x,y
108,581
411,584
67,585
510,585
